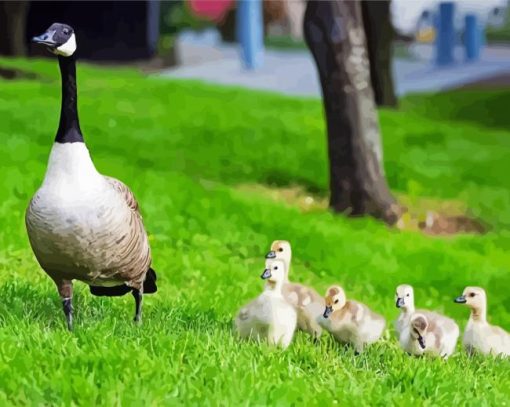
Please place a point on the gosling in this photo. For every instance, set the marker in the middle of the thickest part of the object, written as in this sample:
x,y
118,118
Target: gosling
x,y
350,322
308,303
479,335
442,332
423,335
269,317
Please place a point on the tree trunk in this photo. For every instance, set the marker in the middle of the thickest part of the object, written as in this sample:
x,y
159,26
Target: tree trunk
x,y
12,27
379,33
334,33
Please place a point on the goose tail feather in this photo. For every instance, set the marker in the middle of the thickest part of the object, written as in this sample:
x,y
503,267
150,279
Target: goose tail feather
x,y
149,285
116,291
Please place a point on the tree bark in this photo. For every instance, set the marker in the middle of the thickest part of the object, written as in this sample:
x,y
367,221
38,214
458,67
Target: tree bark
x,y
334,33
380,34
12,27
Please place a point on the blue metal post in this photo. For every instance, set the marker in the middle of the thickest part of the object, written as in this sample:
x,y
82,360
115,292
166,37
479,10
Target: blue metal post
x,y
250,29
472,38
445,41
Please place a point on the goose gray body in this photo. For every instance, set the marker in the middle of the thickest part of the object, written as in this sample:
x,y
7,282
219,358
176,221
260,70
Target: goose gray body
x,y
83,225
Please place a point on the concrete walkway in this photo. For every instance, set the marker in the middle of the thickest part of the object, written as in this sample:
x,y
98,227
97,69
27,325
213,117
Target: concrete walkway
x,y
204,58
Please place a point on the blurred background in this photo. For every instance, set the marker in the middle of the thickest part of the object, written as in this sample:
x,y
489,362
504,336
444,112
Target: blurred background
x,y
199,39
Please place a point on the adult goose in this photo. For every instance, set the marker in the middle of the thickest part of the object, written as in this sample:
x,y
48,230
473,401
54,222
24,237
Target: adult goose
x,y
83,225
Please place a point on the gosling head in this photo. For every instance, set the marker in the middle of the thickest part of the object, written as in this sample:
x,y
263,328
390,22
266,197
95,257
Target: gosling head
x,y
473,297
280,249
404,297
59,39
335,300
419,325
274,272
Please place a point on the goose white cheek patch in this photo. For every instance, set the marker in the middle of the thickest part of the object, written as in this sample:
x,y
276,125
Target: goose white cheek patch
x,y
67,49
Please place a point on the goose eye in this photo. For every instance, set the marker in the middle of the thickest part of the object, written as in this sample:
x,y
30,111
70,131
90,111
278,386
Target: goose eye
x,y
280,249
472,294
275,267
336,301
407,295
65,31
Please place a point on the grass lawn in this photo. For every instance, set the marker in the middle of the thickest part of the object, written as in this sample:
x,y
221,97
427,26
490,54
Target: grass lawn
x,y
196,157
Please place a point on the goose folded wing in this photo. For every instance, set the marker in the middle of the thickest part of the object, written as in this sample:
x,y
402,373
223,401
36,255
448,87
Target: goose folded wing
x,y
123,189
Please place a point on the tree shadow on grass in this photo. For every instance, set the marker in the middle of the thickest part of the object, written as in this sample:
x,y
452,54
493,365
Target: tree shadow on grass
x,y
282,179
16,74
487,108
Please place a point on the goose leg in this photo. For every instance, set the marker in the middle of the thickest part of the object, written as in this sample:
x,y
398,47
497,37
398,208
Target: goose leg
x,y
65,290
138,295
67,304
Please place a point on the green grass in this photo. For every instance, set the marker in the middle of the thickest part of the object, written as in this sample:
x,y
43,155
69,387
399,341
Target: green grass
x,y
499,35
284,42
184,148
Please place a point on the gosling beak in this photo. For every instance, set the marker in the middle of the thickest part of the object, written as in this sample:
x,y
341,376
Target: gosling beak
x,y
271,255
421,341
400,302
46,39
327,311
461,299
266,274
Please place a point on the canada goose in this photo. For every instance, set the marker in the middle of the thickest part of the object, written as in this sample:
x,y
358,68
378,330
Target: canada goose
x,y
83,225
308,303
444,329
479,335
269,316
349,321
426,334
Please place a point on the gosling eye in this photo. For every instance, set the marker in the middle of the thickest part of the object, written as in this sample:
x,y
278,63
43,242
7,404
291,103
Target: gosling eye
x,y
280,249
336,301
472,294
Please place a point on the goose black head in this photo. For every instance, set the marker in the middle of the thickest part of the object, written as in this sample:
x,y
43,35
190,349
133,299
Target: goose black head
x,y
59,39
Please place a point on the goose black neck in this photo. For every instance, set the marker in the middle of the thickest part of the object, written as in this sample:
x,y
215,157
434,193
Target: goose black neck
x,y
69,126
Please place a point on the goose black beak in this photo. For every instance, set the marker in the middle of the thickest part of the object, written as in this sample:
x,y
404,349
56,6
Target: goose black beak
x,y
266,274
399,303
46,39
421,341
271,255
461,299
327,311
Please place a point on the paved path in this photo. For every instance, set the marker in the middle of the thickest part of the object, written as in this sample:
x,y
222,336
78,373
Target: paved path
x,y
294,73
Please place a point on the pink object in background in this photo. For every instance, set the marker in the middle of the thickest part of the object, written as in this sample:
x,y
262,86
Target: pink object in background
x,y
210,9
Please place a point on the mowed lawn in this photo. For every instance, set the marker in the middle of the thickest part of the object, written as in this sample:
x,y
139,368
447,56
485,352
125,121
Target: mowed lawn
x,y
197,157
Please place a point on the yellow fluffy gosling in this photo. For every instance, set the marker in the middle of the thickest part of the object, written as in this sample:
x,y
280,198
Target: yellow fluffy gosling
x,y
349,321
269,317
479,335
308,303
424,335
439,334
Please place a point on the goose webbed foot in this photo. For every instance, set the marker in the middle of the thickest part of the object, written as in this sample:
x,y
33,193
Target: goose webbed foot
x,y
138,295
67,304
